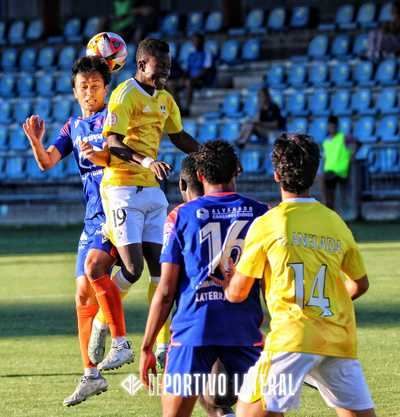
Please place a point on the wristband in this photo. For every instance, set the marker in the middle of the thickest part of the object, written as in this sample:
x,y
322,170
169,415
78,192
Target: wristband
x,y
146,162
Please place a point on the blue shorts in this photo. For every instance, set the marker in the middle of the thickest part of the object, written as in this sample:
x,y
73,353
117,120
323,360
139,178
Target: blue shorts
x,y
188,368
91,238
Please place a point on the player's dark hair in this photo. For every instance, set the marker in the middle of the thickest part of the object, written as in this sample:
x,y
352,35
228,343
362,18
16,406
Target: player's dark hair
x,y
333,120
295,158
152,47
217,161
189,175
89,64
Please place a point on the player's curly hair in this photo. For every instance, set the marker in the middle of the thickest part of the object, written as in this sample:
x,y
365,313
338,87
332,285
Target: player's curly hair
x,y
217,161
189,175
295,158
152,47
88,64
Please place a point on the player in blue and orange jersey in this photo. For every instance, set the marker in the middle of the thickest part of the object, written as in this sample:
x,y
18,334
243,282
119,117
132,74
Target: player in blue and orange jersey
x,y
198,236
312,269
82,136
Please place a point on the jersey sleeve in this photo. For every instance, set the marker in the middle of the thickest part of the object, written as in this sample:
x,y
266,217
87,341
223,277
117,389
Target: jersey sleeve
x,y
172,246
254,258
353,263
119,111
63,142
174,122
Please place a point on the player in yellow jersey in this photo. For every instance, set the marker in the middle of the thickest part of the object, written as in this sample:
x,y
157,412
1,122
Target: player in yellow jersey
x,y
139,112
303,250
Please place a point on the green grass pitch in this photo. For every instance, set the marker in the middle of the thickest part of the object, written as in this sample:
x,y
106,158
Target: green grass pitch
x,y
39,355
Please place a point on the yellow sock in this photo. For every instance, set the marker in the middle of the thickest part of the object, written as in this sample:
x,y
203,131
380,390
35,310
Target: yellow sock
x,y
164,334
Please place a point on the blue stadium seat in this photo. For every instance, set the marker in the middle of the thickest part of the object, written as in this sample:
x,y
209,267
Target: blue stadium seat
x,y
385,14
76,109
230,51
250,104
33,171
296,103
386,101
21,110
184,52
318,129
190,126
254,21
340,46
44,83
123,75
34,30
16,33
42,107
386,72
252,161
363,72
340,74
17,140
2,168
230,131
66,58
14,168
300,17
366,15
345,125
170,24
345,16
91,27
361,101
52,132
318,102
214,22
62,109
27,59
390,160
173,49
194,22
318,46
317,74
131,58
387,129
297,125
276,19
207,131
340,103
360,46
3,137
363,129
46,58
9,59
211,45
274,76
231,105
251,50
25,84
297,73
58,171
7,82
63,83
72,30
2,33
5,110
71,169
277,97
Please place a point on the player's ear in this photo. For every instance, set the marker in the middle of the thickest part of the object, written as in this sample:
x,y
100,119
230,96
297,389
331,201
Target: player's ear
x,y
74,91
199,177
182,185
277,177
141,65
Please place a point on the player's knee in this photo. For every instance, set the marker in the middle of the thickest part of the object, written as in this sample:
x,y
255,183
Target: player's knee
x,y
94,268
82,295
132,270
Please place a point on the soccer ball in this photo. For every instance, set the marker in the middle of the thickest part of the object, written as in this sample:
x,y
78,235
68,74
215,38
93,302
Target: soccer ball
x,y
111,47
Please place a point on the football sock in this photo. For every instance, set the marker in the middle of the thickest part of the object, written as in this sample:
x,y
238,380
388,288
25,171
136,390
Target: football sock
x,y
164,333
92,372
85,315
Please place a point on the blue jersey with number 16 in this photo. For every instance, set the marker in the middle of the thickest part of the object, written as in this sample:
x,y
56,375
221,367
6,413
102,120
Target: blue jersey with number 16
x,y
198,236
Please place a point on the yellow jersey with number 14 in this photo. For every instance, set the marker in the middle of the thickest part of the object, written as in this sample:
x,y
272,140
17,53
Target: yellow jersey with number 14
x,y
142,119
302,250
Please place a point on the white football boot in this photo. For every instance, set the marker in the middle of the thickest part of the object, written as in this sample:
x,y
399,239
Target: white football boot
x,y
87,387
117,356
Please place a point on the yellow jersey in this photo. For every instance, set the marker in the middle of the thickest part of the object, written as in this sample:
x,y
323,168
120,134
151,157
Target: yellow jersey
x,y
303,250
141,118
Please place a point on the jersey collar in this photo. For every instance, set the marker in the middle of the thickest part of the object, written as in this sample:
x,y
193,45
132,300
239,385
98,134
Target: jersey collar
x,y
300,200
142,90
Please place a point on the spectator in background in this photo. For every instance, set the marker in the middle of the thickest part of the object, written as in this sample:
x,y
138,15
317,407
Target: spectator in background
x,y
337,158
268,119
386,40
200,69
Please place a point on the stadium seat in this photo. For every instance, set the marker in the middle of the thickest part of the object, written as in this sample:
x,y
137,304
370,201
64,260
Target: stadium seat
x,y
173,49
385,14
297,73
360,46
252,161
300,17
14,168
390,160
211,45
230,51
361,101
25,84
386,72
386,101
44,83
61,109
16,33
214,22
2,33
345,16
71,168
7,82
91,27
296,103
340,74
190,126
63,83
5,110
251,50
170,24
254,21
52,133
27,59
16,138
317,74
34,30
387,129
131,58
277,97
230,131
46,58
362,73
58,171
184,52
194,23
207,131
123,76
66,58
274,76
231,105
340,46
76,109
9,59
363,129
345,125
318,47
42,107
33,171
276,19
72,30
3,137
297,125
366,15
250,104
318,129
318,102
340,103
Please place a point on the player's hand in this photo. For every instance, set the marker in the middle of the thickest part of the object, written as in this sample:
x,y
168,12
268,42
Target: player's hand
x,y
86,149
148,363
34,128
160,169
227,269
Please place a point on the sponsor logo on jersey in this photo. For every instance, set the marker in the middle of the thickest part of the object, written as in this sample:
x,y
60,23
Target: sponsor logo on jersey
x,y
232,212
202,214
111,119
146,109
163,108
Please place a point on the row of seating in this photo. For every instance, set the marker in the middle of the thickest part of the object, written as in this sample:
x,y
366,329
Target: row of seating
x,y
383,160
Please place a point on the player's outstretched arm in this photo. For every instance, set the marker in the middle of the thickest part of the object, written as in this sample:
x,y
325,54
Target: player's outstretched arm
x,y
184,142
160,308
356,288
35,128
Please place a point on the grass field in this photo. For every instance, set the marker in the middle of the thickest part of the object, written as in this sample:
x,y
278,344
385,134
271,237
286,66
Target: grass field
x,y
39,353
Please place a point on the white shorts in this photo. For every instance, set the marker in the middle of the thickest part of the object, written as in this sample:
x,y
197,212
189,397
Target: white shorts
x,y
277,379
134,214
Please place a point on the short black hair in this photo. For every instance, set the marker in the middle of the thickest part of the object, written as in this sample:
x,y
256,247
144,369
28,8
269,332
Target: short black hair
x,y
152,47
88,64
296,158
189,174
333,120
217,161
